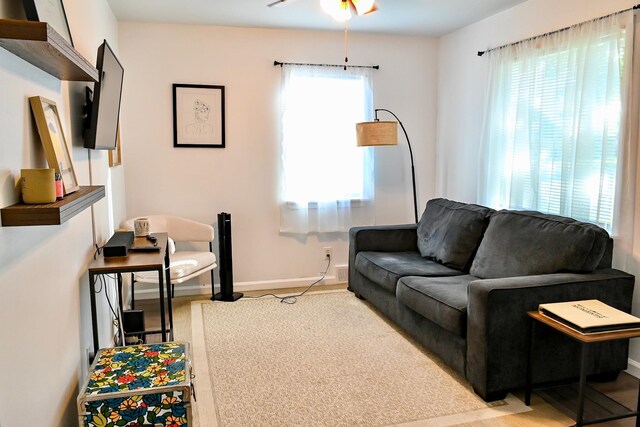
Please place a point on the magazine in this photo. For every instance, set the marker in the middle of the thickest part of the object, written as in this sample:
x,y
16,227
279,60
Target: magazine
x,y
589,316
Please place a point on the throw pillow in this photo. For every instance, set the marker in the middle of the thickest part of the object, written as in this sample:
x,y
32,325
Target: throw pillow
x,y
449,232
522,243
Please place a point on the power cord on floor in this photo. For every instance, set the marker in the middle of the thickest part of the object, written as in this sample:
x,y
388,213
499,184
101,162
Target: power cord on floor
x,y
292,299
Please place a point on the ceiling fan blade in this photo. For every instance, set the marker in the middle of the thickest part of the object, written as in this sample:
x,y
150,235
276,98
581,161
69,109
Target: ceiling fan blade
x,y
277,3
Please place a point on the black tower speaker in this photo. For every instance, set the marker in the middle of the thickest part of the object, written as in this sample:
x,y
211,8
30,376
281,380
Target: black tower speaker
x,y
226,267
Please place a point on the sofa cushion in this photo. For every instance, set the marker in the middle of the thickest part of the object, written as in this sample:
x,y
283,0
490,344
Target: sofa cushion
x,y
449,232
443,300
522,243
385,268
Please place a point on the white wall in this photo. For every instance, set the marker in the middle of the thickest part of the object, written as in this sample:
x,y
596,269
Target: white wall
x,y
44,304
242,179
461,85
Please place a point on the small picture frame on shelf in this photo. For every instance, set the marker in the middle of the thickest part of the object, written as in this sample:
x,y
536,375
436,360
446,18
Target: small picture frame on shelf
x,y
45,113
198,116
50,11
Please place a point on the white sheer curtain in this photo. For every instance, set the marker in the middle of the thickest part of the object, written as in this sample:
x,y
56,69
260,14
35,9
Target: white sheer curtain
x,y
556,134
327,181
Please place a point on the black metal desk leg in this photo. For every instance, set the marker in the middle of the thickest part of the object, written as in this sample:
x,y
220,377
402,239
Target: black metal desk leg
x,y
119,278
638,408
94,318
529,385
583,384
163,325
133,291
213,282
167,272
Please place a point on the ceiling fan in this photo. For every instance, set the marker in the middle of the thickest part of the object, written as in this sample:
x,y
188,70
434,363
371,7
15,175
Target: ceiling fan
x,y
340,10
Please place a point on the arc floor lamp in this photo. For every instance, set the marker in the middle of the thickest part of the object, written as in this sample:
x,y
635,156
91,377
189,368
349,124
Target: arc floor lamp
x,y
378,133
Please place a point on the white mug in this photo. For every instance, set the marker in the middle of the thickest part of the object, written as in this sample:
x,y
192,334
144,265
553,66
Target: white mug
x,y
141,227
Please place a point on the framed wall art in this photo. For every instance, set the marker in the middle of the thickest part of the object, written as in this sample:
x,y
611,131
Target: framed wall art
x,y
198,116
51,12
115,155
45,113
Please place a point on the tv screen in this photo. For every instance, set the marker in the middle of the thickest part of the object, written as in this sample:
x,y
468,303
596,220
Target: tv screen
x,y
101,130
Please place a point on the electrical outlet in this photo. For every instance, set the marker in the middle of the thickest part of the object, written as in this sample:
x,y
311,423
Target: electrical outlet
x,y
342,273
327,252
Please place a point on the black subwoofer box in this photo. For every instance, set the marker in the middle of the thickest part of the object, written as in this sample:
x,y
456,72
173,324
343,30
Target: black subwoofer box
x,y
133,321
118,244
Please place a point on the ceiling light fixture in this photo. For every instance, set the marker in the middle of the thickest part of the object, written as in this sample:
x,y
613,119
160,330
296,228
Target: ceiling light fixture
x,y
340,10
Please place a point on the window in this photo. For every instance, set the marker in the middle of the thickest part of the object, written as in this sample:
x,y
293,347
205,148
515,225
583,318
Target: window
x,y
552,132
327,180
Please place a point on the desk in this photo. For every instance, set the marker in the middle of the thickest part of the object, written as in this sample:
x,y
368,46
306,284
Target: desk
x,y
610,409
135,262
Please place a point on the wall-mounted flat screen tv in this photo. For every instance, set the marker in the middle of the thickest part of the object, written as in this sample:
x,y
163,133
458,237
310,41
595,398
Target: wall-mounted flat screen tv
x,y
103,105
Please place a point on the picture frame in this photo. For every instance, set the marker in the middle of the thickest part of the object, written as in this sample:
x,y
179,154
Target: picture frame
x,y
198,116
115,156
52,12
47,118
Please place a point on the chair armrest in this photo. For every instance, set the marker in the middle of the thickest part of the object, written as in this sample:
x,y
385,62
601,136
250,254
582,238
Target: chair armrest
x,y
380,238
498,325
384,238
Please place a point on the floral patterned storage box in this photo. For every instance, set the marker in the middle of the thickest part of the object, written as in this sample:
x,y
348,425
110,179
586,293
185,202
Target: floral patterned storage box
x,y
140,385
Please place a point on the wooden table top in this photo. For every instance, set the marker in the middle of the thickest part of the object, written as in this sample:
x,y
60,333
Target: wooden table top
x,y
582,337
135,261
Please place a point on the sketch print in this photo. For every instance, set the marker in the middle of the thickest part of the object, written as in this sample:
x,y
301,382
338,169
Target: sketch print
x,y
200,124
198,114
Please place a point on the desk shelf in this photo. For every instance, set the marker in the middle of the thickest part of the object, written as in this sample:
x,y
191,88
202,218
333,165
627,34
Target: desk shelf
x,y
597,405
55,213
39,44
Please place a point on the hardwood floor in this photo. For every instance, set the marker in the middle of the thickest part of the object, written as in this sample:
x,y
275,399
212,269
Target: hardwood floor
x,y
624,389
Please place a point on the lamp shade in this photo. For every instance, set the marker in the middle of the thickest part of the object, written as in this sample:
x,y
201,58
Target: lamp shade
x,y
377,133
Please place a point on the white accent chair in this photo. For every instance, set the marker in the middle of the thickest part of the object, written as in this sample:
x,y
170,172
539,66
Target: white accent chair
x,y
185,264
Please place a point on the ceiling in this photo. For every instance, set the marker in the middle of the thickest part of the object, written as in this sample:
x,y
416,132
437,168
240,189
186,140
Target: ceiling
x,y
407,17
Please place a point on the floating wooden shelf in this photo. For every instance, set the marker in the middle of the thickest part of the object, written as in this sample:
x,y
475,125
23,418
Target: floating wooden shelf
x,y
55,213
39,44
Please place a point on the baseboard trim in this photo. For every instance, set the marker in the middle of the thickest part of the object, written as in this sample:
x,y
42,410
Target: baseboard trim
x,y
633,368
205,289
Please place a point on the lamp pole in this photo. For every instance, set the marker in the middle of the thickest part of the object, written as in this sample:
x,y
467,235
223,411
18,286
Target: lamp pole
x,y
413,171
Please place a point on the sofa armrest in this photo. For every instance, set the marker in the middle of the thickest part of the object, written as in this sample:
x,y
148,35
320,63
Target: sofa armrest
x,y
381,238
498,325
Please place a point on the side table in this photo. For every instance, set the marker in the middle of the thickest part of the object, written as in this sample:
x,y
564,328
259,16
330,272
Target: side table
x,y
613,409
134,262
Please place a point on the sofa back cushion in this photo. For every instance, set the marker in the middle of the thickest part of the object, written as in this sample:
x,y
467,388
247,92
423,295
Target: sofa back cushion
x,y
522,243
449,232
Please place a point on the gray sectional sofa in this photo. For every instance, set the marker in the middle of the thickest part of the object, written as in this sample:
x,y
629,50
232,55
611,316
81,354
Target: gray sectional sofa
x,y
461,281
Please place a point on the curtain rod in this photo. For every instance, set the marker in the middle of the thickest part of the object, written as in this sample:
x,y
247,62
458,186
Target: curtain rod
x,y
482,52
276,63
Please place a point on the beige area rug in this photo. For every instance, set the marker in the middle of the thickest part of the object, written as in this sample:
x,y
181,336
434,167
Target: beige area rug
x,y
327,360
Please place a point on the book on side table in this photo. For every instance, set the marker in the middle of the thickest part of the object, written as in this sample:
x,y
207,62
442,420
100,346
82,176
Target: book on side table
x,y
589,316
